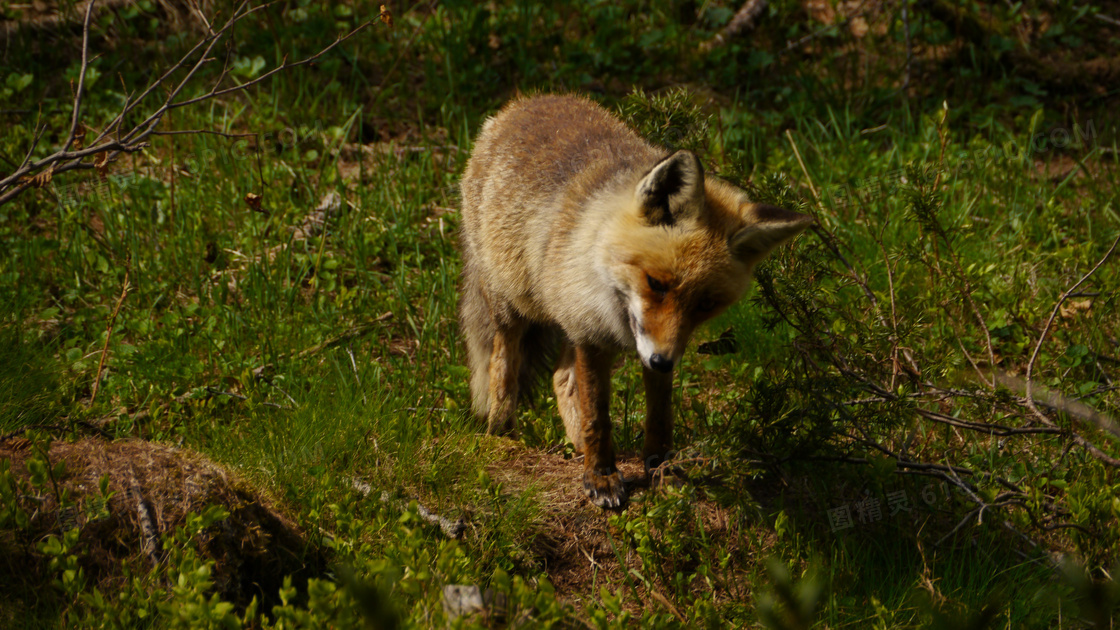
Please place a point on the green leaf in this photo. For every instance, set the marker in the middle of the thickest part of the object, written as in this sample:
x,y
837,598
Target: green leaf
x,y
19,82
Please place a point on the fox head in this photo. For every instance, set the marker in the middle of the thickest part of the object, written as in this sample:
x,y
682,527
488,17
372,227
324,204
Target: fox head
x,y
686,251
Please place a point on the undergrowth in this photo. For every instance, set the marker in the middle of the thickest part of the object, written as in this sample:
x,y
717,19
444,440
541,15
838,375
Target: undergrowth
x,y
910,423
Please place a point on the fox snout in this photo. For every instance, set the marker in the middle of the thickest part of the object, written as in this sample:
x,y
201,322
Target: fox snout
x,y
661,363
659,357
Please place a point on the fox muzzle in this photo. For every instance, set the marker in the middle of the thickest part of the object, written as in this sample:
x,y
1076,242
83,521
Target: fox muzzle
x,y
661,363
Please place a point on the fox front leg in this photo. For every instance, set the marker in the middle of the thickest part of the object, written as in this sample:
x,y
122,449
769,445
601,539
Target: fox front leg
x,y
601,479
659,417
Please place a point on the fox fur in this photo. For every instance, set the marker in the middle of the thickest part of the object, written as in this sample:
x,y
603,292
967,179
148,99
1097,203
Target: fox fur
x,y
575,229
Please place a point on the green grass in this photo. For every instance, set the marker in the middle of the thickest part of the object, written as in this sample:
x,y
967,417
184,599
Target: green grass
x,y
306,357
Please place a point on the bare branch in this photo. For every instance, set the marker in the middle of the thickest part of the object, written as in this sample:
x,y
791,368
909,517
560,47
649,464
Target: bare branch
x,y
212,132
42,129
81,80
284,65
1054,313
1029,400
132,138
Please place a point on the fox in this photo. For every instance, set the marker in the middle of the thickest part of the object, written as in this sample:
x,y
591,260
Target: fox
x,y
580,240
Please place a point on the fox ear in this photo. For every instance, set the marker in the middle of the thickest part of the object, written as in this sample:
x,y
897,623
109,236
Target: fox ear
x,y
768,226
673,190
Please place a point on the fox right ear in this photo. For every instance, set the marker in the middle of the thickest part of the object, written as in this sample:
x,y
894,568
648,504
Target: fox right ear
x,y
673,190
768,226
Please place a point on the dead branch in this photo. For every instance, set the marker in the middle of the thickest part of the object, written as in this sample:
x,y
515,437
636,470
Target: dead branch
x,y
149,533
744,20
1058,402
451,529
1029,400
113,139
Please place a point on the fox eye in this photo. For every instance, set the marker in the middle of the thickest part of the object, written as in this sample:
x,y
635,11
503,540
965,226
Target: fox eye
x,y
656,285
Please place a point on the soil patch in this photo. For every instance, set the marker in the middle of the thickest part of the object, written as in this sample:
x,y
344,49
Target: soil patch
x,y
578,546
151,489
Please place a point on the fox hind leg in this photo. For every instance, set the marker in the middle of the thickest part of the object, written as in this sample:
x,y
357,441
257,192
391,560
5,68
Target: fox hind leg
x,y
476,324
494,339
567,395
504,375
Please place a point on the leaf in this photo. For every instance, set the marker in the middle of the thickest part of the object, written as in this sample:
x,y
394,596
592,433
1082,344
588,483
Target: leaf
x,y
19,82
1072,308
253,200
248,68
79,136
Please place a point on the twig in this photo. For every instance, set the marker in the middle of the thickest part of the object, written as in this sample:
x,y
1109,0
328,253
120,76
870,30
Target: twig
x,y
964,521
797,153
149,533
35,142
357,377
451,529
81,79
353,333
109,331
286,394
743,20
1057,401
829,239
1086,444
186,132
218,392
667,604
811,36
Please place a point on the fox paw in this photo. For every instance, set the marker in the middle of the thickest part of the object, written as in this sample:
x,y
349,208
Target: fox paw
x,y
605,488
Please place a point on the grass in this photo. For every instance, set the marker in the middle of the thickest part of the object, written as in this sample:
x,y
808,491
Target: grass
x,y
311,347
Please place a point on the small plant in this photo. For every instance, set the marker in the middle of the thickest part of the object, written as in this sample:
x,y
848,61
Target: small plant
x,y
792,605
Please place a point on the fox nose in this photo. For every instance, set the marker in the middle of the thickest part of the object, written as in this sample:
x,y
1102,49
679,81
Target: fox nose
x,y
661,363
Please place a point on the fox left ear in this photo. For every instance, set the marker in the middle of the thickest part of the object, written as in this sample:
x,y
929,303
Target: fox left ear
x,y
673,190
768,226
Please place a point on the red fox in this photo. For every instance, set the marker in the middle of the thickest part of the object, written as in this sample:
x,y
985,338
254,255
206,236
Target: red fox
x,y
577,230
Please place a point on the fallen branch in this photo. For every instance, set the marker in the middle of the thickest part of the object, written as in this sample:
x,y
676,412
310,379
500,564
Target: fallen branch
x,y
149,533
451,529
